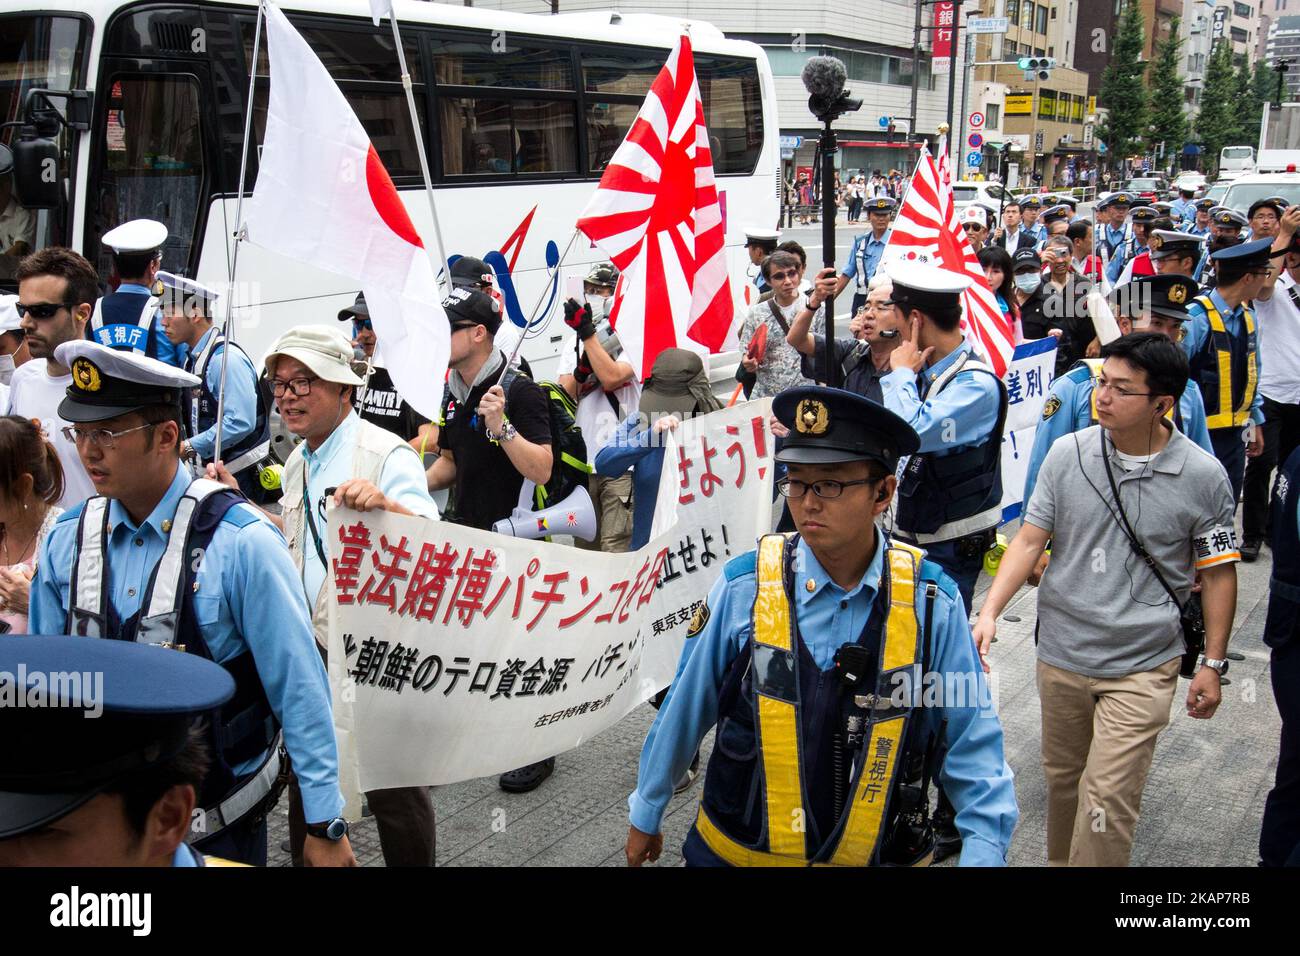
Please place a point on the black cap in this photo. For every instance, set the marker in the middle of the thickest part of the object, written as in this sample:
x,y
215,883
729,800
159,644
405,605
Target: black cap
x,y
830,425
474,307
1276,203
107,383
357,310
469,273
54,759
1026,259
1163,294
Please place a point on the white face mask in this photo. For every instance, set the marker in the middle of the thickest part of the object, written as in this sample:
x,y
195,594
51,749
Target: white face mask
x,y
1028,282
6,369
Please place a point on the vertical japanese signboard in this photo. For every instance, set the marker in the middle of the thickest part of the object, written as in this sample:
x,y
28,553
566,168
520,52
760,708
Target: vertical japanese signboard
x,y
942,45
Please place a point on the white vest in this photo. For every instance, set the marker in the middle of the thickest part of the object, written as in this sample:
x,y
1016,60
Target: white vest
x,y
372,448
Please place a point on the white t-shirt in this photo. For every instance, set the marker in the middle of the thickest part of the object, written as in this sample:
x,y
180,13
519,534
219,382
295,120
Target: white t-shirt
x,y
1279,344
34,394
596,416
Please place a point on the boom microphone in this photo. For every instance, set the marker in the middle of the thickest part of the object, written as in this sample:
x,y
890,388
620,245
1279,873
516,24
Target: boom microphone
x,y
824,78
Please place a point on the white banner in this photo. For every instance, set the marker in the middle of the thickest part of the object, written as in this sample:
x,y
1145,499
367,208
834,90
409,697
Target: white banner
x,y
457,653
1028,378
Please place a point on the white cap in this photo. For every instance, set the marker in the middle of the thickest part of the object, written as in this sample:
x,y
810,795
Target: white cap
x,y
322,348
927,278
138,235
975,213
10,321
759,234
184,288
107,383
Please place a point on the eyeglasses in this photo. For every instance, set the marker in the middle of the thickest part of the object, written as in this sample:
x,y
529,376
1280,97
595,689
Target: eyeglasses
x,y
298,386
1105,386
782,276
98,437
826,488
42,310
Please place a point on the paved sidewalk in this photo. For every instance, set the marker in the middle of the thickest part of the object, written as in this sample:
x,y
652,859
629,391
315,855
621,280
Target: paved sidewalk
x,y
1202,805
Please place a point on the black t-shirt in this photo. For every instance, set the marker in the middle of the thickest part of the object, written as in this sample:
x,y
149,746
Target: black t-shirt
x,y
487,484
382,406
1033,321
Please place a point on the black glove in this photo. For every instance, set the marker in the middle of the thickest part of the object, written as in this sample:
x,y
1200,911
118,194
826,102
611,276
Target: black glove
x,y
578,318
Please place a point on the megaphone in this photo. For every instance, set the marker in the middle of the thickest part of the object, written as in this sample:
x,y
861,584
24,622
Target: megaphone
x,y
575,515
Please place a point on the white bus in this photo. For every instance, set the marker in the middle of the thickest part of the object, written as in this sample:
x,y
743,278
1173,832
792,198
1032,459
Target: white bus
x,y
520,114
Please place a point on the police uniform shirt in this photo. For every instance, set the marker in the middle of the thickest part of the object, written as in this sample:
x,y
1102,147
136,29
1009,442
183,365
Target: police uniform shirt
x,y
1195,229
1197,328
974,773
963,414
487,483
248,598
1184,209
1114,239
1038,232
165,349
1069,409
402,480
864,257
239,414
382,405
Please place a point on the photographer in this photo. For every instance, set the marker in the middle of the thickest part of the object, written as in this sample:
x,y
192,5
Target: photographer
x,y
1111,627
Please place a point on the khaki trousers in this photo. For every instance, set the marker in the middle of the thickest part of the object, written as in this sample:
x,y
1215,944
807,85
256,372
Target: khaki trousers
x,y
1099,735
612,498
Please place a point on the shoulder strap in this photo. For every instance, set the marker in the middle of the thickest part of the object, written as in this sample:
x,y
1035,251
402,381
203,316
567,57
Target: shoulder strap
x,y
147,313
165,595
1138,548
88,590
776,312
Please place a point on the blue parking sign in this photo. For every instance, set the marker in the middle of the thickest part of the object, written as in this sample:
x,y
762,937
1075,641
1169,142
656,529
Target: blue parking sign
x,y
974,159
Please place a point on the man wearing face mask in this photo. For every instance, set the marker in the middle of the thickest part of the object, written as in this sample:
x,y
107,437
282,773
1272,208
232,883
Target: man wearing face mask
x,y
606,389
1031,295
13,344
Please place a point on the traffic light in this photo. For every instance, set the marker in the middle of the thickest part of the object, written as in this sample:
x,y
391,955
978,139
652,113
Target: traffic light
x,y
1037,67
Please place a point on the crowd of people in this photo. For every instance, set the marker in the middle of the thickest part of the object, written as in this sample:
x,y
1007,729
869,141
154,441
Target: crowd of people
x,y
891,482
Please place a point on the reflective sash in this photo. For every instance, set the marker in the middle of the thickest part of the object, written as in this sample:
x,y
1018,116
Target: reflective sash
x,y
118,334
775,662
1226,416
1094,368
255,454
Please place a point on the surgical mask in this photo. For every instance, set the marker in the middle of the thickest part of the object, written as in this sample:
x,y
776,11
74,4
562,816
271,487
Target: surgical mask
x,y
6,369
1028,282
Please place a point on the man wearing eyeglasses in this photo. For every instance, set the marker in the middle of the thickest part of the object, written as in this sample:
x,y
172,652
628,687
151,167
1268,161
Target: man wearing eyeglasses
x,y
129,318
123,566
822,754
1221,333
56,292
366,468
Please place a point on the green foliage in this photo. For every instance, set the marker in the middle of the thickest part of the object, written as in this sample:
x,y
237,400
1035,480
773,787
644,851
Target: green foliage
x,y
1168,121
1122,93
1217,124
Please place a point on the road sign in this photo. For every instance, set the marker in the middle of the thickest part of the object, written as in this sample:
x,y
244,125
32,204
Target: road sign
x,y
885,121
976,120
791,142
975,140
787,154
974,158
987,24
1038,141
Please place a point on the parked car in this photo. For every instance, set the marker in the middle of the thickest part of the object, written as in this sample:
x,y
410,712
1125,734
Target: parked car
x,y
1194,181
1146,189
1249,187
989,195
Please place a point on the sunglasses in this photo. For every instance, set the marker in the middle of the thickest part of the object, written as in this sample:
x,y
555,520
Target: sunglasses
x,y
42,310
361,325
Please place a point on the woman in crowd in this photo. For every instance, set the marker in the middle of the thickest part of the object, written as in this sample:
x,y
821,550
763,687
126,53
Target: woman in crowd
x,y
997,269
31,480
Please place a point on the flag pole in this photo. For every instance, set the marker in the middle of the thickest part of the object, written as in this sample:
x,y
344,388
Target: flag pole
x,y
532,317
228,328
419,147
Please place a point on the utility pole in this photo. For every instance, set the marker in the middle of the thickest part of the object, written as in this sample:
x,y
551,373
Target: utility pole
x,y
965,80
916,78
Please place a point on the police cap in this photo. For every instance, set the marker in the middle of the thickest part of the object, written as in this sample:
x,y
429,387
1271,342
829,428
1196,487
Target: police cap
x,y
1223,216
880,204
123,709
1115,199
1166,243
107,383
1030,202
1204,205
138,235
831,425
926,288
1275,203
1167,295
180,292
1056,213
1144,215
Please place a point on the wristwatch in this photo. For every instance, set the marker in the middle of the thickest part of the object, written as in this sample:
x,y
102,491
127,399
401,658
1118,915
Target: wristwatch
x,y
1215,665
333,831
507,433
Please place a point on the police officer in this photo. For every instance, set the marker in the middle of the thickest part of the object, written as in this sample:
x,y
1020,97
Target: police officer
x,y
119,789
1227,226
1115,234
760,243
1221,333
1031,208
1141,221
1144,263
1156,303
1175,253
245,430
794,657
120,566
1056,220
1279,835
1201,226
1183,207
130,318
864,256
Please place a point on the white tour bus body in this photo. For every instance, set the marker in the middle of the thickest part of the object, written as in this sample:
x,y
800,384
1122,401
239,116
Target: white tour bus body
x,y
520,115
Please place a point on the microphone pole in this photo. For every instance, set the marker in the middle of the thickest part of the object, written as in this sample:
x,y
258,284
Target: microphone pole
x,y
829,147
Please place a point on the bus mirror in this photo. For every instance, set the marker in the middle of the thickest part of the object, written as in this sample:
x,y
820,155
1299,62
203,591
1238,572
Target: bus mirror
x,y
36,171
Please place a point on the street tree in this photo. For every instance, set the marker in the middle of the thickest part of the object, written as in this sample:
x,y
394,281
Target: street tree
x,y
1122,93
1168,121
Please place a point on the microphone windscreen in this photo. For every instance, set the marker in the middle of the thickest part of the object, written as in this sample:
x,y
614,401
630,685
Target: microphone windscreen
x,y
824,77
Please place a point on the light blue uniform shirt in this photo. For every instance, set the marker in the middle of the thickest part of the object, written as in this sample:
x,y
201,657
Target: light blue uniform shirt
x,y
248,598
1130,250
167,351
1185,208
1195,230
1075,414
1038,231
1197,328
239,414
402,480
975,774
962,414
870,249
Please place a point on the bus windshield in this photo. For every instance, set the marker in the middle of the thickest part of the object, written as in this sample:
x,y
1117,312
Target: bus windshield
x,y
36,52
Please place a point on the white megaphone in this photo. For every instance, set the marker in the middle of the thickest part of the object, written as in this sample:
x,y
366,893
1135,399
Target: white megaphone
x,y
575,516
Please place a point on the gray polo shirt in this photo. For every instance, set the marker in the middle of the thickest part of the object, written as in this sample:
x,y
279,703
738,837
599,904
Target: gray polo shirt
x,y
1101,612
